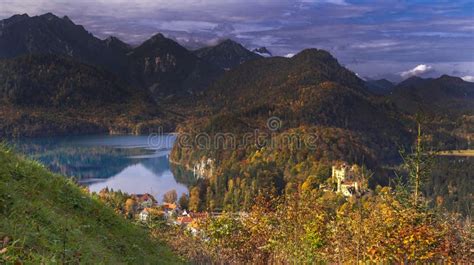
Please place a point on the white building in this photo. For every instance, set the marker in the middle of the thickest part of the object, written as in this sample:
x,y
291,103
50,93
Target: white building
x,y
144,215
347,179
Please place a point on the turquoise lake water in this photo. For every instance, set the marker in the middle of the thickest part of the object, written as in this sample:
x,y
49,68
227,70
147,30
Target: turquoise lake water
x,y
133,164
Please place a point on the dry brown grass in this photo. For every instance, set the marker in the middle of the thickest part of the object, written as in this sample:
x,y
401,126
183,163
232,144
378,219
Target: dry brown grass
x,y
469,152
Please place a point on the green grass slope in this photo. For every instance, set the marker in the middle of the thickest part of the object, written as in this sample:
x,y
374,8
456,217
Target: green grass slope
x,y
47,219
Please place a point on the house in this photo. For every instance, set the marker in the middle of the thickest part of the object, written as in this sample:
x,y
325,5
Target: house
x,y
144,200
184,220
191,218
348,179
170,209
148,214
199,216
144,215
169,206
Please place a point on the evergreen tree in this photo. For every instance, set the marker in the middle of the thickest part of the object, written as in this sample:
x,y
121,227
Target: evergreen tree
x,y
417,163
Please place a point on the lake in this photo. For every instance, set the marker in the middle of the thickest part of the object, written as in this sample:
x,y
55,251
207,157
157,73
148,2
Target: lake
x,y
133,164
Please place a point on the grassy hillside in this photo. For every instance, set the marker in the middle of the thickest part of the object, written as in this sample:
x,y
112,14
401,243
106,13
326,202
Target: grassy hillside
x,y
45,218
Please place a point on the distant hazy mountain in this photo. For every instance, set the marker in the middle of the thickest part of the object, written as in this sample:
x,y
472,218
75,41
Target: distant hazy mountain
x,y
380,87
226,54
165,67
49,34
443,94
262,51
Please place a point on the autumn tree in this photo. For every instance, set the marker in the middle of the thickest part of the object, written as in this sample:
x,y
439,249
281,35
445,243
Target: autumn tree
x,y
380,229
310,184
194,199
183,201
170,196
130,207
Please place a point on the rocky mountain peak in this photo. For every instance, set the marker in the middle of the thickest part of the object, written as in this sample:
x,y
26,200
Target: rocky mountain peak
x,y
227,54
116,43
262,51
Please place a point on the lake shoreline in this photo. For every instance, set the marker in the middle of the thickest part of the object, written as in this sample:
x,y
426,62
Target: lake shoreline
x,y
130,163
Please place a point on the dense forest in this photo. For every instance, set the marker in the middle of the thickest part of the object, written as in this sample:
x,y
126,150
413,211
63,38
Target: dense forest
x,y
324,115
49,94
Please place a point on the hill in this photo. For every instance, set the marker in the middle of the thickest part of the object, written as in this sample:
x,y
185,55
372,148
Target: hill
x,y
227,54
311,88
57,81
447,107
48,94
46,218
269,124
444,94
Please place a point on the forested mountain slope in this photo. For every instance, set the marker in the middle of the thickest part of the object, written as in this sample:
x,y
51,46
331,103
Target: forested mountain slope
x,y
310,89
49,94
270,124
443,94
445,105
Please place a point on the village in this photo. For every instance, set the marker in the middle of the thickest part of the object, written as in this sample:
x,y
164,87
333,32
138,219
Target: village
x,y
345,179
172,212
145,209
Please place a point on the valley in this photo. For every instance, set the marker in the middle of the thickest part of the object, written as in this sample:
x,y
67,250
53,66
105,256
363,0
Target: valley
x,y
292,158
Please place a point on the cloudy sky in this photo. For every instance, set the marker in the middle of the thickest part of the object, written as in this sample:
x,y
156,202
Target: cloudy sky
x,y
392,39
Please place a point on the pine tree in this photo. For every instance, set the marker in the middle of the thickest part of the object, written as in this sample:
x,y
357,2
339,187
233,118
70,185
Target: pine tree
x,y
417,163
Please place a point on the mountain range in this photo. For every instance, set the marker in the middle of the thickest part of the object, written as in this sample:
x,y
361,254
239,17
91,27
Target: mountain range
x,y
310,90
88,84
48,62
159,64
